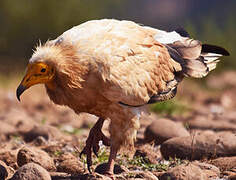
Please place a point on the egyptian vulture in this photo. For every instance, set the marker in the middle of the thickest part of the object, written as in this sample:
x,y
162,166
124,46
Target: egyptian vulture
x,y
113,69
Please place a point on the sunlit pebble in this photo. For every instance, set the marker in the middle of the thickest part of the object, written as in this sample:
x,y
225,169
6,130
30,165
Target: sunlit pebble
x,y
68,149
216,109
18,142
164,162
67,128
226,100
40,140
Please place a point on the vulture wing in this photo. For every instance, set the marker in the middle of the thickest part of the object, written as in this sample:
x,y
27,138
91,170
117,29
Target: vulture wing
x,y
137,64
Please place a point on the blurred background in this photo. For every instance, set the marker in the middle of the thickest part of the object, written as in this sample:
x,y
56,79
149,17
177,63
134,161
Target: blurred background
x,y
205,105
25,22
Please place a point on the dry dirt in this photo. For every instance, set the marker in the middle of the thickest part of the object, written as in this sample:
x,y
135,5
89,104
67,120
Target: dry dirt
x,y
37,131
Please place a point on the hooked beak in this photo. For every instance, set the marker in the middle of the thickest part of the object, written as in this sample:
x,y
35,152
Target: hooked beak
x,y
19,91
35,75
25,84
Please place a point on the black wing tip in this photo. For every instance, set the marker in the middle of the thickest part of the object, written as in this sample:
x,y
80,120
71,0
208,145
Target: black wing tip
x,y
208,48
182,32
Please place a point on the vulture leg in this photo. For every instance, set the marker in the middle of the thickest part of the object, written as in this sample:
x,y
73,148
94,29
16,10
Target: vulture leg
x,y
111,162
92,142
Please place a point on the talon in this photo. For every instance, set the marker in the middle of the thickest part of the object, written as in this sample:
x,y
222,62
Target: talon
x,y
95,150
80,154
105,140
89,163
95,135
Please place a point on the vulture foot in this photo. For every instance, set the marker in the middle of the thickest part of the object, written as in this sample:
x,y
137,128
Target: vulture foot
x,y
92,142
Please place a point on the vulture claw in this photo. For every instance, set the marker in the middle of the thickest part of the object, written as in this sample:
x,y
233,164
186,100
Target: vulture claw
x,y
92,143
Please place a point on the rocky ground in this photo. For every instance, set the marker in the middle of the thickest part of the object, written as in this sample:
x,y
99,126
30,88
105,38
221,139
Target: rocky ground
x,y
192,137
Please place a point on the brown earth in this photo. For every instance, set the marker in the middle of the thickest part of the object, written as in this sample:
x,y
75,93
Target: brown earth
x,y
35,131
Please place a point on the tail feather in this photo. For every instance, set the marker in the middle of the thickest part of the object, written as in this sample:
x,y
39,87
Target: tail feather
x,y
196,59
195,68
208,48
211,55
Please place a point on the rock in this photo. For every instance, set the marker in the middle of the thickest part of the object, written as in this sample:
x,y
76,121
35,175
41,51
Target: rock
x,y
227,99
19,119
9,157
144,175
5,171
47,132
231,116
31,171
210,170
148,152
224,163
204,124
184,172
40,141
36,155
163,129
225,79
60,175
205,145
98,176
52,148
101,168
66,176
229,173
69,164
6,130
232,177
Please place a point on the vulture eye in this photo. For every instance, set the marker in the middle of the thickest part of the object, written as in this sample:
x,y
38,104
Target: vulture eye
x,y
43,70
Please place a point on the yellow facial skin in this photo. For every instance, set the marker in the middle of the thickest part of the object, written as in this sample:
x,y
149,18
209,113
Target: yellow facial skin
x,y
37,73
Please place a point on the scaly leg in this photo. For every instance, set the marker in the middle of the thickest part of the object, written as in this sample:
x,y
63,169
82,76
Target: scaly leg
x,y
111,162
92,142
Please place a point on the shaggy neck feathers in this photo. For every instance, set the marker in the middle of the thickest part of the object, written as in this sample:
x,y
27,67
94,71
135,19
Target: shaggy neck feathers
x,y
70,71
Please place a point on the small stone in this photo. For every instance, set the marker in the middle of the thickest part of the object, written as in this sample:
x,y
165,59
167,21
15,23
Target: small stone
x,y
145,175
47,132
204,145
163,129
148,152
60,175
101,168
36,155
9,157
31,171
40,141
184,172
69,164
3,170
6,130
232,177
210,170
19,119
224,163
230,172
207,124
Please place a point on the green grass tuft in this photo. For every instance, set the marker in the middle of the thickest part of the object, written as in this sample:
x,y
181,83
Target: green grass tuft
x,y
170,107
145,164
57,153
